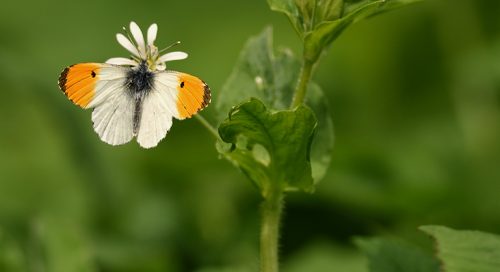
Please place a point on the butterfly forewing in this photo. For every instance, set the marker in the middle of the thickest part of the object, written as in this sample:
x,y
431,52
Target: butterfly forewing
x,y
189,93
88,84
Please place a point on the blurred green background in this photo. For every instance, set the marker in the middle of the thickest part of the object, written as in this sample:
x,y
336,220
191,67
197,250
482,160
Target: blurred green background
x,y
415,97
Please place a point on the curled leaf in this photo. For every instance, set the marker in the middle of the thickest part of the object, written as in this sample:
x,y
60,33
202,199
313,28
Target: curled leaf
x,y
272,79
271,148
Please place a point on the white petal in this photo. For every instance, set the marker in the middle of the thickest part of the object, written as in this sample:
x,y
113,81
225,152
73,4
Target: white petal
x,y
127,44
122,61
152,30
139,38
177,55
161,66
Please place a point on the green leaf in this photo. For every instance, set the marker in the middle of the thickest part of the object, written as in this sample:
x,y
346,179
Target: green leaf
x,y
271,78
386,255
465,251
259,73
271,148
330,18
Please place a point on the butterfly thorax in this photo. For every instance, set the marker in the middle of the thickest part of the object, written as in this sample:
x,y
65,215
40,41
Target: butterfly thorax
x,y
139,80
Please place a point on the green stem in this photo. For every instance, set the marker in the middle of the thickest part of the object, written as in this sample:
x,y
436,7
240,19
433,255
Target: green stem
x,y
269,234
305,77
207,125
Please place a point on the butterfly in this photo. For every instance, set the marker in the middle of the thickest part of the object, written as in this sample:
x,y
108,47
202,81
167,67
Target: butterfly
x,y
136,96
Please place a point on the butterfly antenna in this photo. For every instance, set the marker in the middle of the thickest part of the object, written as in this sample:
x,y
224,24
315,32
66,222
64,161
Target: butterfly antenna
x,y
170,46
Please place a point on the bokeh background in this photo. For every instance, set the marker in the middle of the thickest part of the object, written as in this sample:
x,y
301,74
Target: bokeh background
x,y
415,98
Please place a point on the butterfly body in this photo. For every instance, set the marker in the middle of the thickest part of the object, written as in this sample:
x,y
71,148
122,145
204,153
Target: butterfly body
x,y
134,97
139,82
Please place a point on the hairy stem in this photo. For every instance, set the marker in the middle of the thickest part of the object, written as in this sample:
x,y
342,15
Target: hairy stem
x,y
269,234
305,77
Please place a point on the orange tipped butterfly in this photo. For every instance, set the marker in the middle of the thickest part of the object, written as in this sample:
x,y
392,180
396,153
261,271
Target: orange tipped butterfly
x,y
137,96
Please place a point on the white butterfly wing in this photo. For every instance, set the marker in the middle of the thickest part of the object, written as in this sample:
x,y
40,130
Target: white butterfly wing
x,y
102,87
113,119
174,94
156,118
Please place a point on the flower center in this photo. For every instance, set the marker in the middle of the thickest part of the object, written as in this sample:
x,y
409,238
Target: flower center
x,y
151,57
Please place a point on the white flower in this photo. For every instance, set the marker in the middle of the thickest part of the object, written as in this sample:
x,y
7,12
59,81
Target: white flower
x,y
142,52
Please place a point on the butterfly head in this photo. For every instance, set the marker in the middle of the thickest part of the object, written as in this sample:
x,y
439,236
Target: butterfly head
x,y
144,51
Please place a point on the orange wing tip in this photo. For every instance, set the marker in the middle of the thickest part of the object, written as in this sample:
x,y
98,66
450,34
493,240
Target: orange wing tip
x,y
194,95
78,82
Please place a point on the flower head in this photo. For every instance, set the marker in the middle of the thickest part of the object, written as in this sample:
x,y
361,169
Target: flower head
x,y
142,51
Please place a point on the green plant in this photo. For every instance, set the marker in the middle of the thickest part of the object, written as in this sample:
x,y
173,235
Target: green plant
x,y
279,130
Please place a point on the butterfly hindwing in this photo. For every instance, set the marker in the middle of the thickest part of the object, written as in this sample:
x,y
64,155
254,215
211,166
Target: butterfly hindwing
x,y
156,119
113,119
